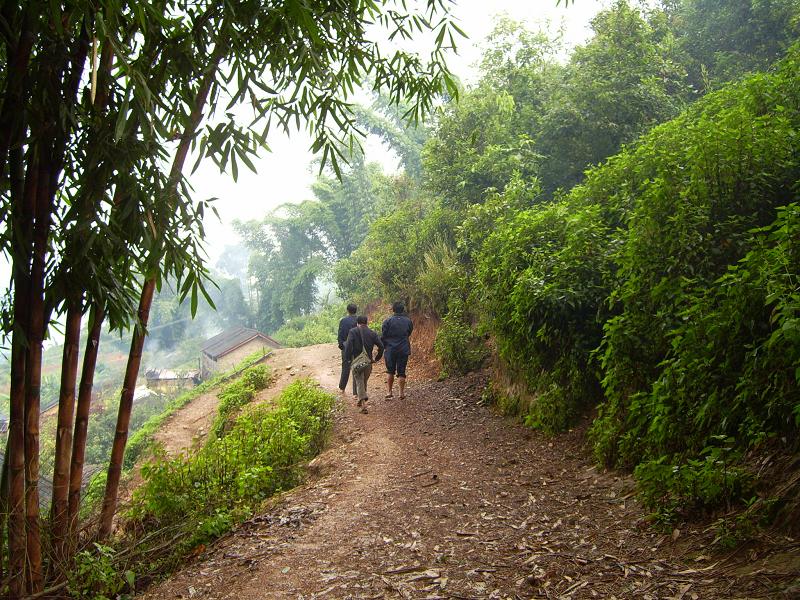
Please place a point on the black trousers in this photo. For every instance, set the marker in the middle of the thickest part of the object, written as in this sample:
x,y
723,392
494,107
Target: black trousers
x,y
345,374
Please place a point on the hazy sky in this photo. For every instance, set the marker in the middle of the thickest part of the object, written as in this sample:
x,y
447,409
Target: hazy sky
x,y
286,174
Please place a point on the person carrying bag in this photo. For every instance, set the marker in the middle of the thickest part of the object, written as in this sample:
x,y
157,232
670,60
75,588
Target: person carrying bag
x,y
358,350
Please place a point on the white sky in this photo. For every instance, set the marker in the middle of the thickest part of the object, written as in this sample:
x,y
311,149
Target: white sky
x,y
286,174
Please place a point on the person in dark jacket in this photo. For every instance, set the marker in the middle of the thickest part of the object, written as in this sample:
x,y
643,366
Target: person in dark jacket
x,y
362,337
396,330
345,325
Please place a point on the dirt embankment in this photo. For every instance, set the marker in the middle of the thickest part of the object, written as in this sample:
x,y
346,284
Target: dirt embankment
x,y
439,497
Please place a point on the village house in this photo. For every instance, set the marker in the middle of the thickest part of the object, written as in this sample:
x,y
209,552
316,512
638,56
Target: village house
x,y
227,349
167,381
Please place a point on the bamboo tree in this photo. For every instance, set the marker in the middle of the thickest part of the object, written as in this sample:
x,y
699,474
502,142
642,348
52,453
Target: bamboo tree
x,y
59,509
84,403
137,342
124,414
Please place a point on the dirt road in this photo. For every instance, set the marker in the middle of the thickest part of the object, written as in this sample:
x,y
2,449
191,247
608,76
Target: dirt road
x,y
438,497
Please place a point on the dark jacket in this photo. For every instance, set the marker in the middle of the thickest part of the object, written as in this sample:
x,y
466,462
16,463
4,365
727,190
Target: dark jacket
x,y
396,330
345,325
352,347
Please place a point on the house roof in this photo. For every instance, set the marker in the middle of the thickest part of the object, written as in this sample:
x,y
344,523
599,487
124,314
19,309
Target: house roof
x,y
231,339
169,374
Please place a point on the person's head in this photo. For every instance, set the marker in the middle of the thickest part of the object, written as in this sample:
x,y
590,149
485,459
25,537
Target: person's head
x,y
352,309
361,319
398,308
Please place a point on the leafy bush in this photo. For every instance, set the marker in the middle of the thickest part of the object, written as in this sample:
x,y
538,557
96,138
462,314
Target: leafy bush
x,y
239,393
95,576
698,484
685,358
439,278
307,330
542,280
207,492
457,346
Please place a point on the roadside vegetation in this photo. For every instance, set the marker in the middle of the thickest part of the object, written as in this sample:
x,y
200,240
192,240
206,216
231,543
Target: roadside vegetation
x,y
188,501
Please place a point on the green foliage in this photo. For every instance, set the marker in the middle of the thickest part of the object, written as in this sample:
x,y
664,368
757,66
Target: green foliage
x,y
96,576
239,393
205,493
697,188
390,261
489,136
697,485
457,346
317,328
542,275
725,39
624,81
439,278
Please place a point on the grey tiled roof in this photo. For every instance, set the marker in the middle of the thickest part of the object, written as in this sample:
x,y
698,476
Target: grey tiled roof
x,y
227,341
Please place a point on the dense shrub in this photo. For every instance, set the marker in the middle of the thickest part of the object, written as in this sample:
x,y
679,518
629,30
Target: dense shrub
x,y
733,371
239,393
458,347
205,493
666,261
710,177
543,276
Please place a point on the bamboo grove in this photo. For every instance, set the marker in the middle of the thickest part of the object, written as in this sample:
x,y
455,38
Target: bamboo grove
x,y
102,104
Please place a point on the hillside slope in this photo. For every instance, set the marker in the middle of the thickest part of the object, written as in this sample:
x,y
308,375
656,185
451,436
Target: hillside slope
x,y
438,497
192,422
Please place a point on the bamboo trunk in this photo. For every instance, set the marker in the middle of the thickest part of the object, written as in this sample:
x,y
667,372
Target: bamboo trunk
x,y
3,512
17,61
135,356
59,512
37,325
22,206
82,420
124,414
17,541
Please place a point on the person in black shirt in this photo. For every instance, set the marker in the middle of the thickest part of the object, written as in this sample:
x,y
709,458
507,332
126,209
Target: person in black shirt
x,y
345,325
396,330
362,338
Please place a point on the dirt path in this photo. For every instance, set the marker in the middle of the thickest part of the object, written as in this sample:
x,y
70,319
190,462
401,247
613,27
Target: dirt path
x,y
437,497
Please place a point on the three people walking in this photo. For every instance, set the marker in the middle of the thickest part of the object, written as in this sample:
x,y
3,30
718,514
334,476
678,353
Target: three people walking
x,y
357,343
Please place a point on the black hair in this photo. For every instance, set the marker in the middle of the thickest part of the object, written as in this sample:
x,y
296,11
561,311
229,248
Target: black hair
x,y
361,319
352,308
398,308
